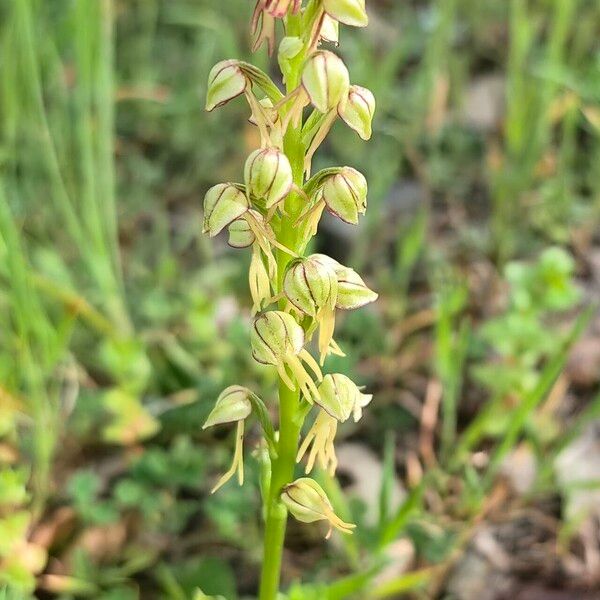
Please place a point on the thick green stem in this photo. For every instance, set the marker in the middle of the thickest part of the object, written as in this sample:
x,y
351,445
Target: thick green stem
x,y
290,418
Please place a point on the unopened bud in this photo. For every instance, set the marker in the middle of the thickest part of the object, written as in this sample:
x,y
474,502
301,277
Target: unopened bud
x,y
310,286
274,336
226,81
268,175
349,12
357,112
345,194
223,204
233,404
307,501
326,80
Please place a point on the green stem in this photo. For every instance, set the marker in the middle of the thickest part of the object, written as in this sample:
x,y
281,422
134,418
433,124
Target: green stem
x,y
290,417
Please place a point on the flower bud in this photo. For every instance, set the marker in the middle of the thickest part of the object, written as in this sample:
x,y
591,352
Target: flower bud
x,y
279,8
268,175
345,194
357,112
349,12
326,80
233,404
226,81
307,501
352,290
223,204
275,334
240,234
310,286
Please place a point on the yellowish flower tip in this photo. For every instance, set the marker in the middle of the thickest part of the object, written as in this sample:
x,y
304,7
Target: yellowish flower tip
x,y
226,81
307,502
223,204
345,194
348,12
326,80
268,176
357,112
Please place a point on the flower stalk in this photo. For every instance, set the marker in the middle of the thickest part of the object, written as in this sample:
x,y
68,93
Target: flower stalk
x,y
275,212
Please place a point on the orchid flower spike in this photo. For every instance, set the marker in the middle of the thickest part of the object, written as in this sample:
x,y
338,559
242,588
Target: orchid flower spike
x,y
307,501
233,406
278,340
